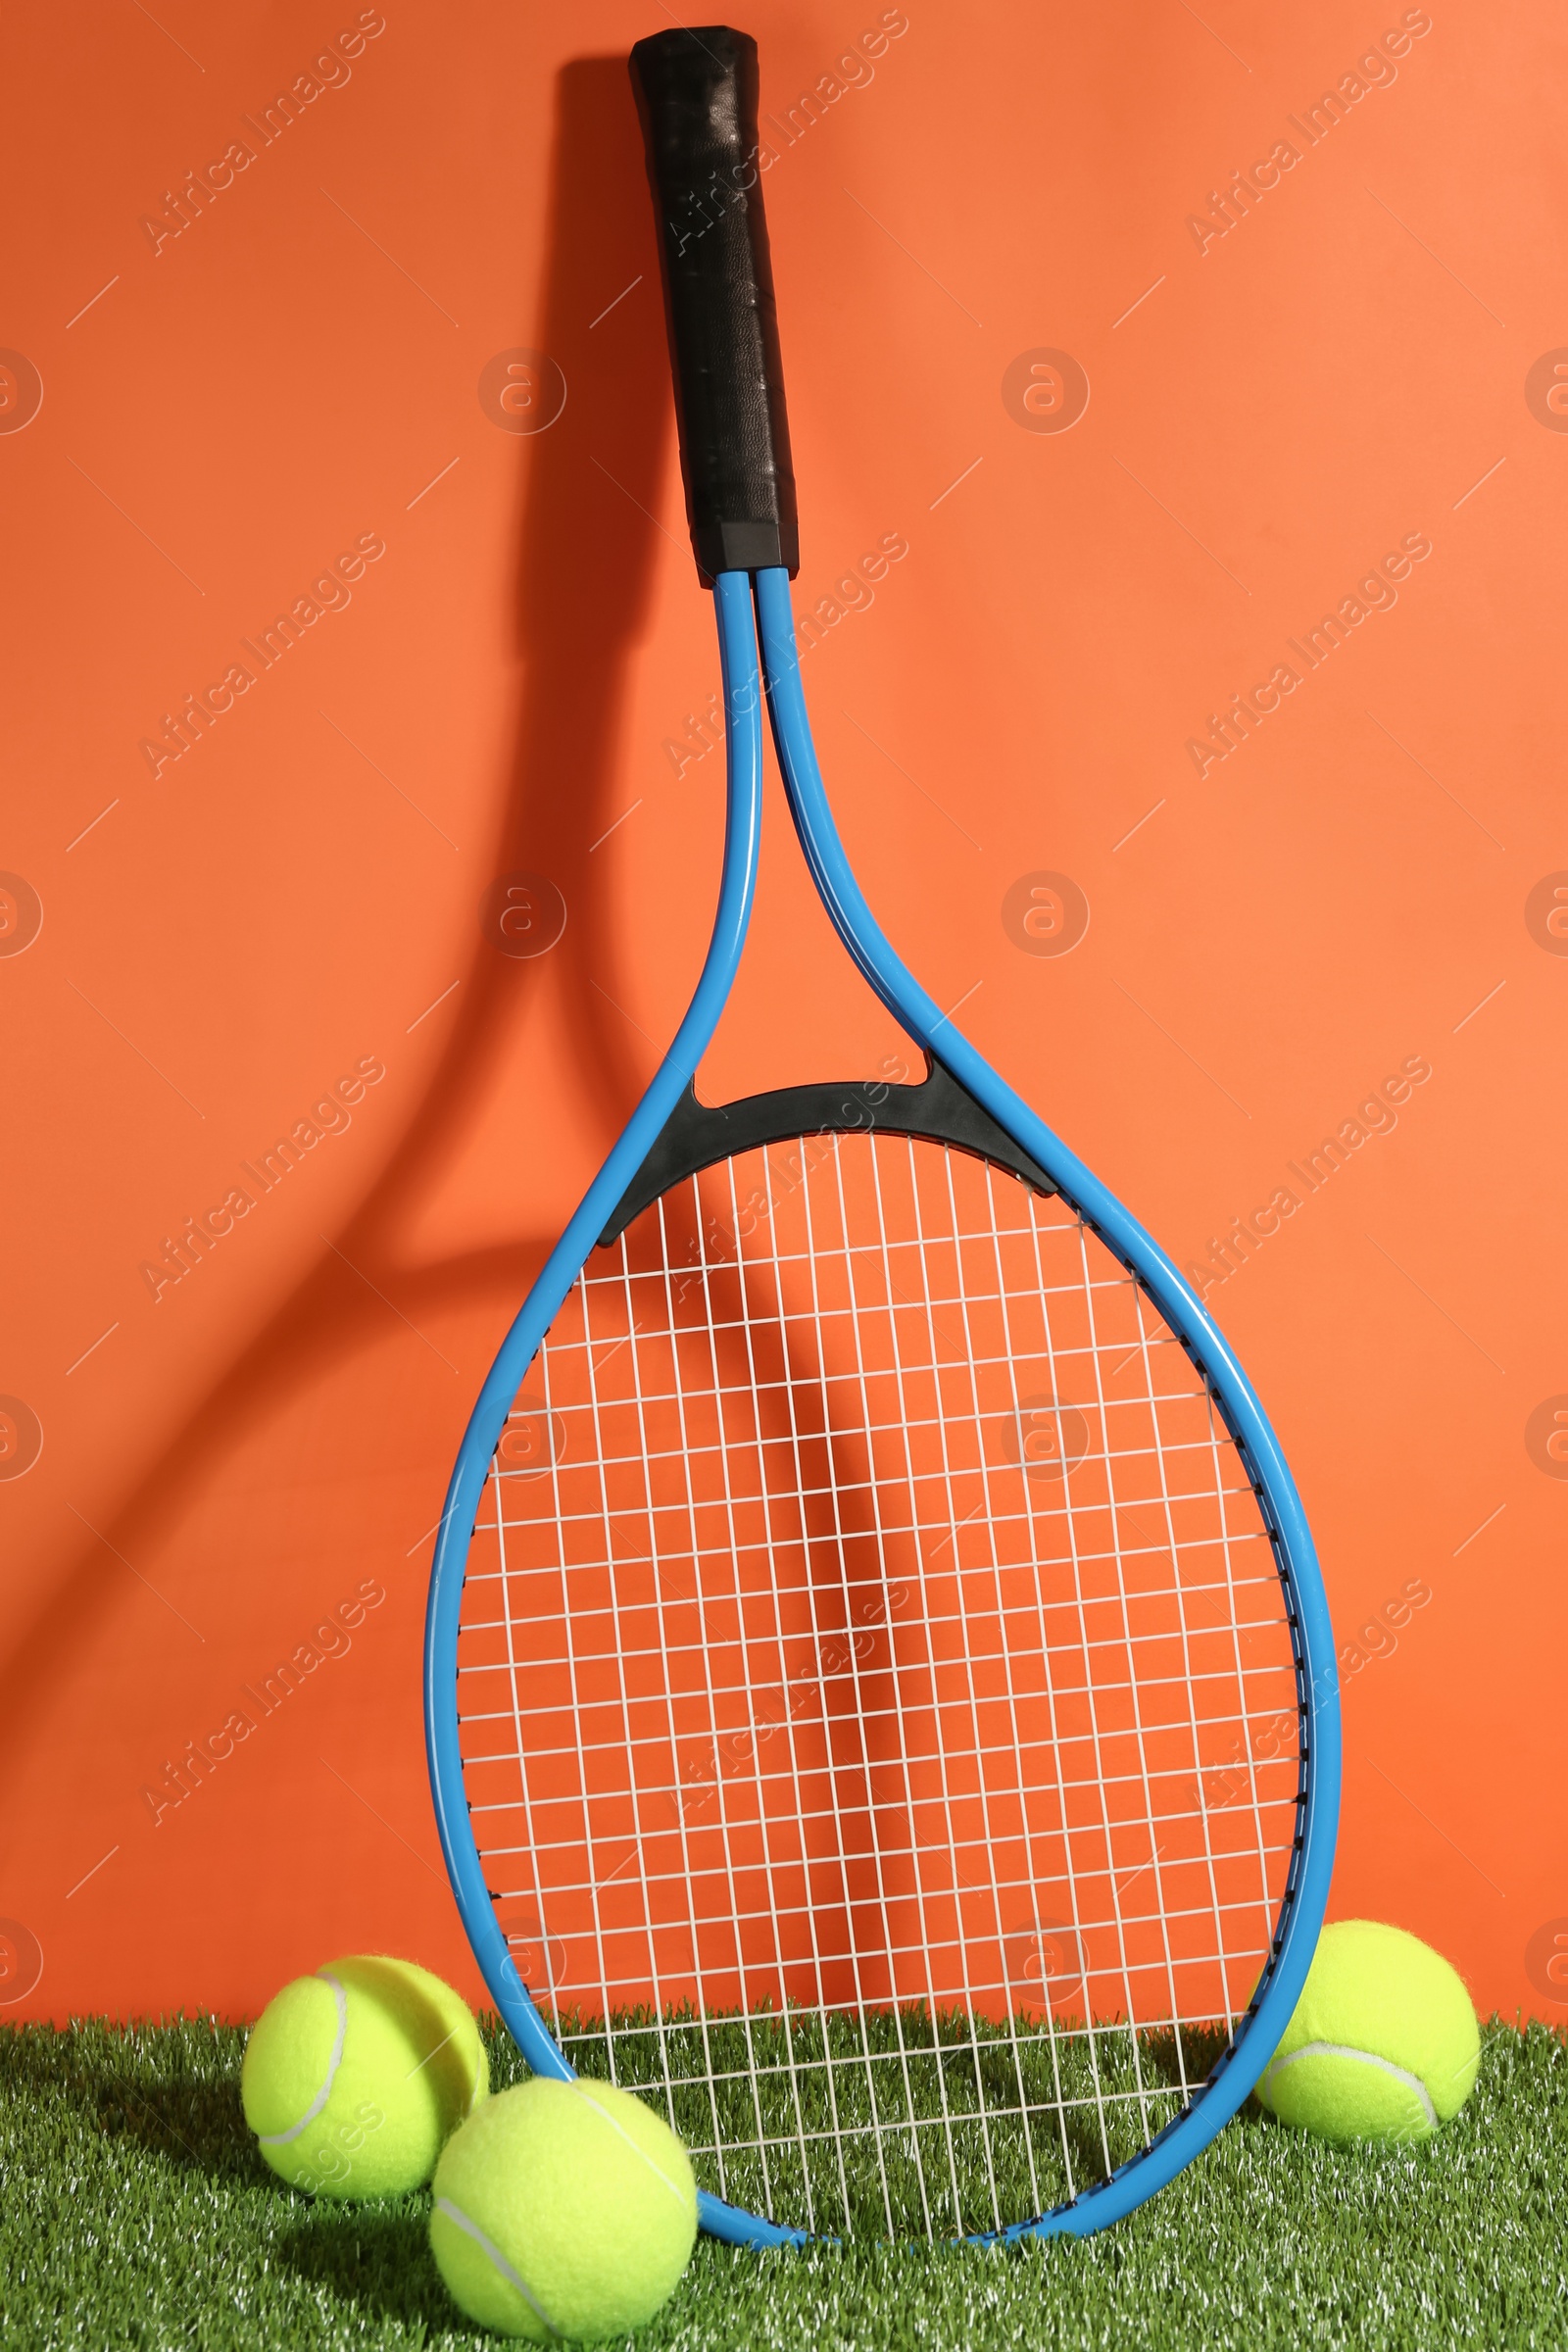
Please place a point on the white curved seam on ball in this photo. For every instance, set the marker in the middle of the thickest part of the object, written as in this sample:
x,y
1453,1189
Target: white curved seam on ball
x,y
281,2139
1341,2049
493,2254
656,2170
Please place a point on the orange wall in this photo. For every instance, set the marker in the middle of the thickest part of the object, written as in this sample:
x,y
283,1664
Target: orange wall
x,y
1361,362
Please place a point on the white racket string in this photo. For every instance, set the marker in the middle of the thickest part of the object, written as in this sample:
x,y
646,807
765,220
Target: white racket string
x,y
877,1694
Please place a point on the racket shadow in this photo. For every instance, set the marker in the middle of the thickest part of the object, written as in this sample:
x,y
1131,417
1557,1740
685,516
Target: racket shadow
x,y
580,590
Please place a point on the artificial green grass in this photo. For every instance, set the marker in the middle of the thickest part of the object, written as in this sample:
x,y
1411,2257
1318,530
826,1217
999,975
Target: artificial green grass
x,y
137,2212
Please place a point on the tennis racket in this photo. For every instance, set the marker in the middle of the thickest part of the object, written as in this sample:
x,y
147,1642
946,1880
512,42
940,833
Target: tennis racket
x,y
880,1698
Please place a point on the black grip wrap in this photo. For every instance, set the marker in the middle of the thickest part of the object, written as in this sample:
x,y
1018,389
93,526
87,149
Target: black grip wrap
x,y
697,93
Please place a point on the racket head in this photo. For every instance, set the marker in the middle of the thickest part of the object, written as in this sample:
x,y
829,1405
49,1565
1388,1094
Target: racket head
x,y
878,1697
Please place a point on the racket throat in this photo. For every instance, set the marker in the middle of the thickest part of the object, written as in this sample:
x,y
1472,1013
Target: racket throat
x,y
699,1134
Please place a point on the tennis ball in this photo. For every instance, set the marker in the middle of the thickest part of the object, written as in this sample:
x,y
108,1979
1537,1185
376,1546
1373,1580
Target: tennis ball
x,y
563,2209
1383,2044
354,2078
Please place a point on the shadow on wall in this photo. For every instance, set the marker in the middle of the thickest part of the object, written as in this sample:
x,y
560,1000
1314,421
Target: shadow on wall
x,y
581,596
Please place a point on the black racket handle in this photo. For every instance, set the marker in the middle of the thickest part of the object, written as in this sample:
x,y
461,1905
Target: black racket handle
x,y
696,94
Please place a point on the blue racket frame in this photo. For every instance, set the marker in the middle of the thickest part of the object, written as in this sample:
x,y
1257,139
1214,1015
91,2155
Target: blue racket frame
x,y
1317,1686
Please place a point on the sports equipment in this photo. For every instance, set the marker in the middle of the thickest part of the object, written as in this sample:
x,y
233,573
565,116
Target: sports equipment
x,y
879,1695
354,2078
1384,2043
563,2209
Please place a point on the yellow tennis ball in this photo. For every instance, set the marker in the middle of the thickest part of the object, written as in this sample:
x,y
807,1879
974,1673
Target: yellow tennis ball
x,y
354,2078
563,2209
1383,2043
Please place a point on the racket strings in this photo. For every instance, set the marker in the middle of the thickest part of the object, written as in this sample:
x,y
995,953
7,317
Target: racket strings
x,y
879,1710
